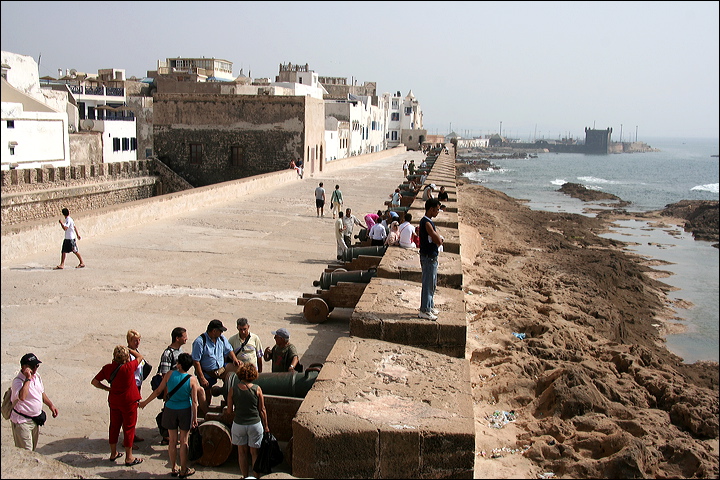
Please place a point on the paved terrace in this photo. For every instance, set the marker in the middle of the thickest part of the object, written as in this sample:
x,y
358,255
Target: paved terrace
x,y
251,248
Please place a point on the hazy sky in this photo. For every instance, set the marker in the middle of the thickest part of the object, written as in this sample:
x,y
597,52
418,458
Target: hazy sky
x,y
542,69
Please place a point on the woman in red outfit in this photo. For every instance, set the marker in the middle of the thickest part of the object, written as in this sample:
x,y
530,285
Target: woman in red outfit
x,y
123,398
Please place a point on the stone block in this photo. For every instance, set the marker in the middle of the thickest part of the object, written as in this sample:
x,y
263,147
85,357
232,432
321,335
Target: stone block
x,y
386,411
404,264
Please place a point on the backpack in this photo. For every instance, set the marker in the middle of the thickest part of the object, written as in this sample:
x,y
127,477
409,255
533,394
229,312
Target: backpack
x,y
7,405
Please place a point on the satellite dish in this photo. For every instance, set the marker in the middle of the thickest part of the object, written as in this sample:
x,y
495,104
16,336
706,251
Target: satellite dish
x,y
88,124
73,71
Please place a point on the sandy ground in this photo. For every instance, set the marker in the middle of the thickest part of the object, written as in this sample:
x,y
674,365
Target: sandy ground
x,y
591,389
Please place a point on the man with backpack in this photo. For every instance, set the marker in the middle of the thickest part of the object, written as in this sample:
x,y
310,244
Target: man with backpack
x,y
27,398
208,353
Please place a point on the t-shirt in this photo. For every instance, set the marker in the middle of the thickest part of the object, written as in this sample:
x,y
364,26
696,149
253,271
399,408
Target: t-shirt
x,y
168,360
70,224
319,192
427,246
282,357
406,232
123,390
212,355
250,352
33,401
378,232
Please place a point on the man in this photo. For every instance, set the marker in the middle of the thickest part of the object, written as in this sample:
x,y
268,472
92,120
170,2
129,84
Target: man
x,y
283,355
69,244
336,201
411,167
339,234
349,220
168,362
427,193
378,233
320,200
443,195
208,353
27,396
406,232
430,241
246,345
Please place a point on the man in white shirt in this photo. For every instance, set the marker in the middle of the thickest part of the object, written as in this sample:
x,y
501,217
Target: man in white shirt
x,y
349,221
406,232
378,235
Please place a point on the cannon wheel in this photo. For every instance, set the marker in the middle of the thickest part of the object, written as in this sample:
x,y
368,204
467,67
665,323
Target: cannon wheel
x,y
217,443
316,310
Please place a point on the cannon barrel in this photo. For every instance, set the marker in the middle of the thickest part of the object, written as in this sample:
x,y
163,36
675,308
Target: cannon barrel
x,y
356,276
288,384
354,252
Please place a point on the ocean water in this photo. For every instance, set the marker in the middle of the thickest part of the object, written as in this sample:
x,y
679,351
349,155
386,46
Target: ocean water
x,y
683,169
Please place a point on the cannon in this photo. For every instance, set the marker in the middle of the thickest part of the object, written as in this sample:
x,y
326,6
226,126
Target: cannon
x,y
283,393
357,276
354,252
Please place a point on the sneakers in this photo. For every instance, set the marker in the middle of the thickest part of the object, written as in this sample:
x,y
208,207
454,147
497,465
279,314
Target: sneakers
x,y
427,315
435,311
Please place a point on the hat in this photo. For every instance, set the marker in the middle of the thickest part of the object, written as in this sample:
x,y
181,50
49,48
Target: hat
x,y
281,332
432,185
30,359
216,324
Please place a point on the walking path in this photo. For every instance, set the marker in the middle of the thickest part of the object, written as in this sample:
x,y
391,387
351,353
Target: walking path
x,y
252,257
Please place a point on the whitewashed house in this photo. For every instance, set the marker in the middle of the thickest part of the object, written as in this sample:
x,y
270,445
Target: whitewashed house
x,y
35,124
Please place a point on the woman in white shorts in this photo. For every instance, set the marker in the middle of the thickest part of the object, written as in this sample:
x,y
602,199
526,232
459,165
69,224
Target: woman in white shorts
x,y
246,404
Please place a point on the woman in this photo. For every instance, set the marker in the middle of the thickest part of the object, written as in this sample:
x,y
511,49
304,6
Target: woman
x,y
181,411
395,198
393,238
336,201
246,405
123,398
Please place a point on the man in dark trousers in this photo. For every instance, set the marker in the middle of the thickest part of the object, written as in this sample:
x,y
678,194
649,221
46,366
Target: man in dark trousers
x,y
430,241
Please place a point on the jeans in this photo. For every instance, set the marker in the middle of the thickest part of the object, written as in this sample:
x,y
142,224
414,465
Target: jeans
x,y
429,267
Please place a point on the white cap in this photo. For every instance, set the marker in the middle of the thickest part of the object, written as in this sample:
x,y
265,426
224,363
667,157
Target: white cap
x,y
432,185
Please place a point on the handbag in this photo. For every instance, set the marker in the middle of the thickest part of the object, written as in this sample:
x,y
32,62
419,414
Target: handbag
x,y
195,444
269,455
147,370
38,419
155,381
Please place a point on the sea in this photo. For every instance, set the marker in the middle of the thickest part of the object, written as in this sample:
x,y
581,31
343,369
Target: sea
x,y
682,169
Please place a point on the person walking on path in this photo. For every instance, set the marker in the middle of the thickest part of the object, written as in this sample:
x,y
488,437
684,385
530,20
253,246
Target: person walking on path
x,y
27,394
70,242
246,406
350,220
320,200
430,241
405,169
123,398
336,201
180,412
283,354
411,167
340,235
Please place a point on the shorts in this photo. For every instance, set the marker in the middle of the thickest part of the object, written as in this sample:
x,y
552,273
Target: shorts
x,y
173,419
250,435
319,203
69,246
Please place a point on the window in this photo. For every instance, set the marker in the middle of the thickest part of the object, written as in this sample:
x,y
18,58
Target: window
x,y
395,116
116,144
395,104
148,152
12,150
394,135
133,144
408,110
11,124
125,144
196,151
237,156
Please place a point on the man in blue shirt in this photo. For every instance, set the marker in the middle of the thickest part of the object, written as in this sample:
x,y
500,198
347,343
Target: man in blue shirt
x,y
208,353
430,241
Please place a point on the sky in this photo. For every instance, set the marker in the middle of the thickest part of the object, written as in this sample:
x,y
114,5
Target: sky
x,y
532,69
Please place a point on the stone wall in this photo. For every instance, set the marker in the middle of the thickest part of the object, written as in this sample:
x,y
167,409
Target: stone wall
x,y
38,193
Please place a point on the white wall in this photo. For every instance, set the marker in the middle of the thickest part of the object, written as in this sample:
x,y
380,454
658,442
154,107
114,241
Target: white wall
x,y
117,129
41,138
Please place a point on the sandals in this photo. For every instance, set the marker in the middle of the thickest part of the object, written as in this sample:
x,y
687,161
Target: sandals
x,y
174,473
137,461
82,265
188,472
112,459
58,268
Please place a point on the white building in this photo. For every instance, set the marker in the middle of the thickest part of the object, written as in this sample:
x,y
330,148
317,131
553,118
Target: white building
x,y
405,121
35,124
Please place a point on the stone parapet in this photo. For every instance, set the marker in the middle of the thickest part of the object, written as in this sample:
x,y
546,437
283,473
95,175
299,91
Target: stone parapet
x,y
383,410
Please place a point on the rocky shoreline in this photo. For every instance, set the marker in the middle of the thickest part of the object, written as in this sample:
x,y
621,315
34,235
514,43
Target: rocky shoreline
x,y
566,333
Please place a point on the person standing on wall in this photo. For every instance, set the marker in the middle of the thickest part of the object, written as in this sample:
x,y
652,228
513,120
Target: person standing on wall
x,y
70,243
430,241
